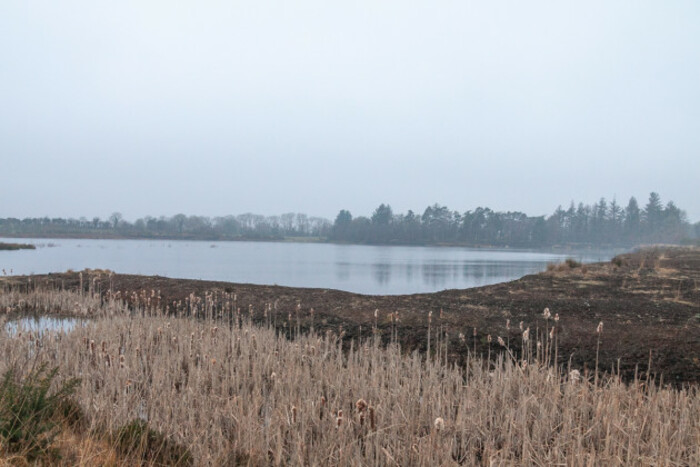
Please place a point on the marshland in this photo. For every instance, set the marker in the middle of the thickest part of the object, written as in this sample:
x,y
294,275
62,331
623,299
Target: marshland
x,y
313,233
219,376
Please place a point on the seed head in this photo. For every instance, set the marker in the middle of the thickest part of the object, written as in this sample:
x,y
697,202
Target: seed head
x,y
501,342
599,329
574,376
339,419
526,335
546,313
439,424
361,405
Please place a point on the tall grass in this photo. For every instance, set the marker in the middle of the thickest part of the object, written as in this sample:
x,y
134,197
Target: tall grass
x,y
232,392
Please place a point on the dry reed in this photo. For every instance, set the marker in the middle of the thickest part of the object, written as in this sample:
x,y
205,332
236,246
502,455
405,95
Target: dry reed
x,y
233,392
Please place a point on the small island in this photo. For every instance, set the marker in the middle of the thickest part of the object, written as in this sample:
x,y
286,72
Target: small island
x,y
16,246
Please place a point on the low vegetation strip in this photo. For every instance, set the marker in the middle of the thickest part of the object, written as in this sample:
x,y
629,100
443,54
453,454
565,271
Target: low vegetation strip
x,y
16,246
199,382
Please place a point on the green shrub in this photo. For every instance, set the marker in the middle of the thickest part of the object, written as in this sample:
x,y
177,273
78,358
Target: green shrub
x,y
28,410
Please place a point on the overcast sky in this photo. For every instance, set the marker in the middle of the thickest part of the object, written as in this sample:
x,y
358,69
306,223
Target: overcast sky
x,y
215,108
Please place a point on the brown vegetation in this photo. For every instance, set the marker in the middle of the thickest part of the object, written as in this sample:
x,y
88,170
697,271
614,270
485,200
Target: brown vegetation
x,y
197,381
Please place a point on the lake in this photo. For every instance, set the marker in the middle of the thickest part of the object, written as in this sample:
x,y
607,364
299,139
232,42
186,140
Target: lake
x,y
355,268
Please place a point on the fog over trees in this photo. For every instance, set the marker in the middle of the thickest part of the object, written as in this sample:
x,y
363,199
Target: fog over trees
x,y
605,223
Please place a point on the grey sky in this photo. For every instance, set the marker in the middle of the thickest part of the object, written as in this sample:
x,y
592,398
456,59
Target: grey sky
x,y
213,108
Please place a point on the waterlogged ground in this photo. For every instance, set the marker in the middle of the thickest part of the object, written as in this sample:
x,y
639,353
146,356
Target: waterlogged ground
x,y
649,302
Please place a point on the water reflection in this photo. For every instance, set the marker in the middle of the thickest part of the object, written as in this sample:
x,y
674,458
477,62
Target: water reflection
x,y
382,273
38,325
355,268
342,270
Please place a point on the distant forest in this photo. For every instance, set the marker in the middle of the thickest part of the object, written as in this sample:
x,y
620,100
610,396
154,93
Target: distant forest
x,y
601,224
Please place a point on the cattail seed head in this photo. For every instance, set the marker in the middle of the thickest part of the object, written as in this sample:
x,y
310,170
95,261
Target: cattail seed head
x,y
488,338
546,313
599,329
339,419
522,327
551,333
556,317
574,376
501,342
361,405
507,325
439,424
526,335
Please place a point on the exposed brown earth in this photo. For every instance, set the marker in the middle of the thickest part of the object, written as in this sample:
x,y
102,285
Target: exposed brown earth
x,y
649,302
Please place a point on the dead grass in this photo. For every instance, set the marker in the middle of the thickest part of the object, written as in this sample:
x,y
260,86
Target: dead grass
x,y
233,393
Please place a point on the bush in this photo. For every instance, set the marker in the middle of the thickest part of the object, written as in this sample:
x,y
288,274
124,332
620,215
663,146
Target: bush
x,y
569,263
28,410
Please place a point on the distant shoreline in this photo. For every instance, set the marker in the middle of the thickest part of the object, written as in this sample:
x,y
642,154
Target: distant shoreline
x,y
319,240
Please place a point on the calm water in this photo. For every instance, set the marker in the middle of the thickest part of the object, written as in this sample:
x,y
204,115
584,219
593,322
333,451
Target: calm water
x,y
40,324
362,269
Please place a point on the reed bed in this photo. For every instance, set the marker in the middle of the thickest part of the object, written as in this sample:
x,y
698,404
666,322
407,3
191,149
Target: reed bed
x,y
233,392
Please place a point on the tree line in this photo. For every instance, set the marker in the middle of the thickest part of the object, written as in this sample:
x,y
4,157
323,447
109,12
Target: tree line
x,y
241,227
601,224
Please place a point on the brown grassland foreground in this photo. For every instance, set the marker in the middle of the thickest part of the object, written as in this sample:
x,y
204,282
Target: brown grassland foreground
x,y
216,378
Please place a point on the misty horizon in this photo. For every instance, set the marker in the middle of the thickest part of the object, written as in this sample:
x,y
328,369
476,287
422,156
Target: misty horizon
x,y
330,218
267,107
